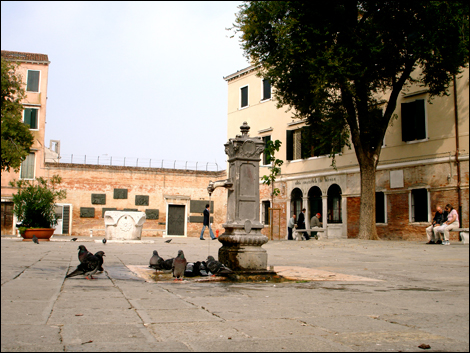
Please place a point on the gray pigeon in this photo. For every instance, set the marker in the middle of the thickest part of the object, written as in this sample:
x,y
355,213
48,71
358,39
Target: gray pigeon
x,y
89,266
100,255
167,241
82,253
216,267
156,261
104,240
73,239
179,265
167,264
35,239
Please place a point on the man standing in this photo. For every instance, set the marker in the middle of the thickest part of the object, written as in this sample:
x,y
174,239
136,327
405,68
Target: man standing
x,y
301,223
439,218
315,222
290,226
206,223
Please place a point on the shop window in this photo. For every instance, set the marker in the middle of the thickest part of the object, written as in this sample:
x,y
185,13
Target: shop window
x,y
296,202
413,120
419,205
334,204
27,167
380,209
32,84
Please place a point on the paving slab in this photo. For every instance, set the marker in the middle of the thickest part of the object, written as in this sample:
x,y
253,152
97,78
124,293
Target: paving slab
x,y
343,295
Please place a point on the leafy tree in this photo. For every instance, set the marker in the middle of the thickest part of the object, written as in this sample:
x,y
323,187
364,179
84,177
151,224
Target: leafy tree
x,y
339,63
16,136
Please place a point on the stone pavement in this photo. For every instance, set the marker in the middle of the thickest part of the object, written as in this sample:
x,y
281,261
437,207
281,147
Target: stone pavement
x,y
364,296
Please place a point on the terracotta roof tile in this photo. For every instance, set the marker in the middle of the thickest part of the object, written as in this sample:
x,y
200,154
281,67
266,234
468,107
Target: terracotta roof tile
x,y
21,56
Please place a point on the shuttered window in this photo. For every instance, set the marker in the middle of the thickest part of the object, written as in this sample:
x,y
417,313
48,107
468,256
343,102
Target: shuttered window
x,y
289,145
27,167
32,84
31,118
413,120
266,159
244,97
266,89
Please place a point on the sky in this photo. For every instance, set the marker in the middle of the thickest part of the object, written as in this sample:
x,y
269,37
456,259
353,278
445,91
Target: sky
x,y
132,79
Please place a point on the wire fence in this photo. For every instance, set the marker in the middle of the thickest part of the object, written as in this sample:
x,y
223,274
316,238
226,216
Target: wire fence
x,y
134,162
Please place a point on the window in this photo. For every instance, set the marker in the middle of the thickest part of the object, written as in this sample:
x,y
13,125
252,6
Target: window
x,y
380,209
32,83
244,97
301,144
266,159
27,167
413,120
31,118
266,89
265,210
419,205
334,204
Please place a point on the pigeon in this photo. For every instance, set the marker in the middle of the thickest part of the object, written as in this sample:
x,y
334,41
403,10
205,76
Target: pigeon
x,y
167,264
35,239
73,239
216,267
179,265
89,266
156,261
167,241
104,240
202,268
82,253
100,255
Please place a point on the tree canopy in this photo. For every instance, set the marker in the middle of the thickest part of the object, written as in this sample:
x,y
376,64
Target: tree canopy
x,y
341,65
16,136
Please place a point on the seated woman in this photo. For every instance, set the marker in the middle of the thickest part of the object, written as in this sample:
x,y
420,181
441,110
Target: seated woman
x,y
451,223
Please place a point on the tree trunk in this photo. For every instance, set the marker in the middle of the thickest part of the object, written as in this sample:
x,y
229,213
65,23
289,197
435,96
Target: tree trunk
x,y
367,228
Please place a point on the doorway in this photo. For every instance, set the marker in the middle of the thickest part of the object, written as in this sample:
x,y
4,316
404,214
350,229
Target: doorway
x,y
176,220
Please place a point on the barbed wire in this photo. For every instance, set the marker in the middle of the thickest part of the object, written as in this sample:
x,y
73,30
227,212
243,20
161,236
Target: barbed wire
x,y
134,162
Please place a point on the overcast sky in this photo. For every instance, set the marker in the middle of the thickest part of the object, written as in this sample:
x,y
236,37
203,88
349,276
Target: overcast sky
x,y
132,79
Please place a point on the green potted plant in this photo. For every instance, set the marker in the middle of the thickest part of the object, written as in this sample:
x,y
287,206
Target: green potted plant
x,y
34,206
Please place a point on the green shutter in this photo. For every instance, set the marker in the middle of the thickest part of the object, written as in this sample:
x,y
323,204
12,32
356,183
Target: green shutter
x,y
420,119
407,121
289,145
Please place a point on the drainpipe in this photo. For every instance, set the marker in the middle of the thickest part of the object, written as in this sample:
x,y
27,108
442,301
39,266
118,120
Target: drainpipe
x,y
457,162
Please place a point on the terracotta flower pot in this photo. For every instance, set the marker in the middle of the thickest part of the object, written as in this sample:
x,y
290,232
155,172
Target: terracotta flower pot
x,y
43,234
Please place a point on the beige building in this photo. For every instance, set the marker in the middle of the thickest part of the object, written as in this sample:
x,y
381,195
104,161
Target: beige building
x,y
419,167
34,70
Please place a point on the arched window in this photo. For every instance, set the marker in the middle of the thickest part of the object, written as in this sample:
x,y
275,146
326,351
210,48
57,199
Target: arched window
x,y
315,201
334,204
296,202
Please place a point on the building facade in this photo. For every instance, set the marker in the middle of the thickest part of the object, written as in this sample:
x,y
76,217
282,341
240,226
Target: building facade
x,y
420,167
34,70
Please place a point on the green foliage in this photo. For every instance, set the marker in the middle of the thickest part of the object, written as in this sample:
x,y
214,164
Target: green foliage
x,y
16,136
335,63
34,202
270,150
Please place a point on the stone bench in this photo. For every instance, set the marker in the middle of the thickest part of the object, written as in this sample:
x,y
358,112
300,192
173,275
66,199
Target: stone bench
x,y
463,234
297,233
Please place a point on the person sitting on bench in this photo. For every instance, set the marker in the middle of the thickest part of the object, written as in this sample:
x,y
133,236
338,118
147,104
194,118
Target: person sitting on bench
x,y
315,222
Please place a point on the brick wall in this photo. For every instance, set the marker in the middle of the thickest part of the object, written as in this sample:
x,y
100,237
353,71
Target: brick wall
x,y
161,185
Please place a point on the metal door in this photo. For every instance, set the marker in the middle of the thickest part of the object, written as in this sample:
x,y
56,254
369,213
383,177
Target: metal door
x,y
176,220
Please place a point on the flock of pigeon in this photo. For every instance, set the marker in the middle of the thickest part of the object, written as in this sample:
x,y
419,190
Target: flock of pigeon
x,y
93,263
182,268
